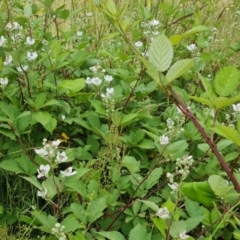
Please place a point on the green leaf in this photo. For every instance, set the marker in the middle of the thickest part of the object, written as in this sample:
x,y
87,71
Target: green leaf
x,y
11,165
131,164
196,29
63,13
128,119
40,100
7,133
47,121
161,53
191,223
27,10
176,148
78,210
177,227
51,125
150,204
113,235
34,181
27,166
176,39
178,69
51,187
203,101
198,191
52,102
47,221
111,7
146,144
226,81
222,102
95,209
161,225
151,70
11,111
228,133
98,106
139,232
153,178
75,185
208,87
72,86
70,224
218,185
193,208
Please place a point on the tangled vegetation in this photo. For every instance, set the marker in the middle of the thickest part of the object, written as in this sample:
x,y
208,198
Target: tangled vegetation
x,y
119,120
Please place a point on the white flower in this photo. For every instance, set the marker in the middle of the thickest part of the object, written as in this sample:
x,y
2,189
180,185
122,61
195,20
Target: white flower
x,y
110,91
68,172
155,33
9,26
191,47
31,56
108,78
63,117
30,41
138,44
183,235
56,143
236,107
96,81
42,193
16,26
163,213
43,171
95,68
3,82
61,157
89,14
154,23
13,26
173,186
164,140
57,225
79,33
88,81
8,60
22,68
2,41
42,152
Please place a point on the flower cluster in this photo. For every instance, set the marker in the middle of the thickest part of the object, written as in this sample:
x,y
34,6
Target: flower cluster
x,y
93,81
23,68
8,60
58,231
3,82
183,165
3,41
95,68
109,93
13,26
49,150
170,124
